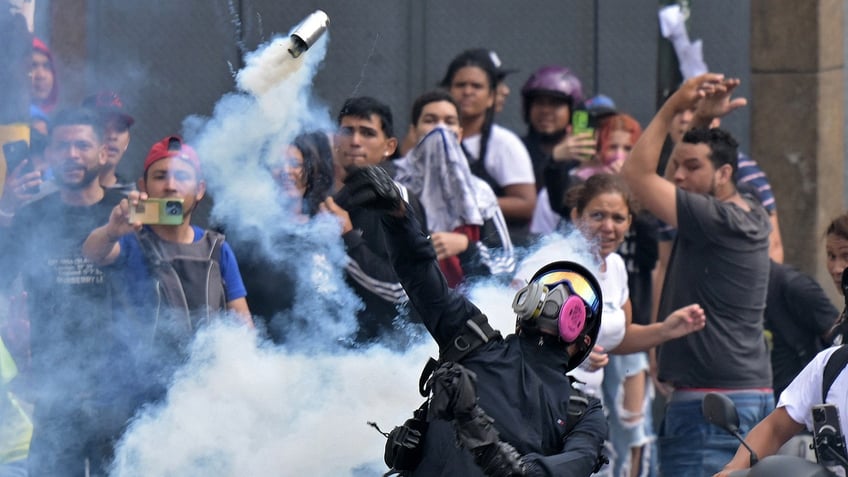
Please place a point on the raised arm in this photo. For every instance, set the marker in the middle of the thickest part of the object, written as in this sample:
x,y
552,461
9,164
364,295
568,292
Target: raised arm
x,y
655,193
101,246
443,311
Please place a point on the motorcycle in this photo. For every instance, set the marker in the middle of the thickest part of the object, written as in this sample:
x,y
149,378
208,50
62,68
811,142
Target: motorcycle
x,y
720,411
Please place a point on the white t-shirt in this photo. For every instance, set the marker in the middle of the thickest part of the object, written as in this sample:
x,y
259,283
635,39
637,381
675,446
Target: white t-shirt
x,y
614,287
804,392
545,220
507,160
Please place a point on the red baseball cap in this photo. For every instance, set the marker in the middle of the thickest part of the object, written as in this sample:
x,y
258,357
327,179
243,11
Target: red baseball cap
x,y
172,146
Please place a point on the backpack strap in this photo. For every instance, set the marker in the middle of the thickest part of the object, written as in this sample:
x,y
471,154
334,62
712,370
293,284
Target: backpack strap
x,y
476,332
835,364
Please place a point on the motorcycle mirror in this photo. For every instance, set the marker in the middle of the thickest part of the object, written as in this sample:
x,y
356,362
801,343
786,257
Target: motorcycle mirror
x,y
720,411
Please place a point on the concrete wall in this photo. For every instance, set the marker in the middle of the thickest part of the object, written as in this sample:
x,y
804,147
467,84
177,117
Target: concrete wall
x,y
798,119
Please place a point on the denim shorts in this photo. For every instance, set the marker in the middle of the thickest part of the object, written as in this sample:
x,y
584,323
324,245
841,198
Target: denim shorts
x,y
621,435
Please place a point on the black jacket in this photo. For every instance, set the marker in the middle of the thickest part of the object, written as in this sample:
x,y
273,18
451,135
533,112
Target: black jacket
x,y
521,385
370,274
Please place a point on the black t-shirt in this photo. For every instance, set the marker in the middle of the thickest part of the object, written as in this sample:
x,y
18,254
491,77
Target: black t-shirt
x,y
68,304
639,251
798,313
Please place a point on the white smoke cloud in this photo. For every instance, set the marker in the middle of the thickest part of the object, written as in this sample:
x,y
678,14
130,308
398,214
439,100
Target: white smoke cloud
x,y
242,406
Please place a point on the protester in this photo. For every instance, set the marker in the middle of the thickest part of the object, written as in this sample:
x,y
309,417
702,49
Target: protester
x,y
168,277
794,411
117,122
798,316
836,249
722,243
549,97
602,209
303,174
616,135
466,225
68,301
44,85
366,137
508,419
495,154
502,89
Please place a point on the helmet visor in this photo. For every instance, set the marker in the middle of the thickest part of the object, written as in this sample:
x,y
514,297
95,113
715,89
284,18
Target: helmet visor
x,y
578,284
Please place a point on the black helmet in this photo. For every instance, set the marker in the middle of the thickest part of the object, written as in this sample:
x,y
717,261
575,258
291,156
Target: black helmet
x,y
562,299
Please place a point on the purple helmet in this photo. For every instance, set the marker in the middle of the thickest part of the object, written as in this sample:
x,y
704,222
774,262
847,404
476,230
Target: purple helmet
x,y
552,81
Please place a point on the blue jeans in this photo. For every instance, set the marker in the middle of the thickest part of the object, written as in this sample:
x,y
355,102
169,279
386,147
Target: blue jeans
x,y
17,468
689,446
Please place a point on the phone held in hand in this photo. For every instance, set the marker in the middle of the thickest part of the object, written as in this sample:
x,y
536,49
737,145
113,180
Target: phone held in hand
x,y
15,153
581,122
828,439
157,212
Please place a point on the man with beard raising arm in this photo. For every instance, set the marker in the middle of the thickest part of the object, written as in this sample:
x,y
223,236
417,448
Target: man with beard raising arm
x,y
68,303
719,260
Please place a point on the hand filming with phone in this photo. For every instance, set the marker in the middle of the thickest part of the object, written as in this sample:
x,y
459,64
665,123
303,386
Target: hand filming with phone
x,y
580,142
138,210
23,181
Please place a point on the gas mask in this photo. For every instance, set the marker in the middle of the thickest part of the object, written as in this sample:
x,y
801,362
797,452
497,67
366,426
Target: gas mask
x,y
563,299
555,309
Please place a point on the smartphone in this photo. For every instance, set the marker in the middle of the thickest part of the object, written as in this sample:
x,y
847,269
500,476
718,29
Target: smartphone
x,y
827,433
580,122
15,153
158,212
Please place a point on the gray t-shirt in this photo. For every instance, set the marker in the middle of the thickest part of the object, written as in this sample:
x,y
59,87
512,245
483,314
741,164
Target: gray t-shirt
x,y
720,261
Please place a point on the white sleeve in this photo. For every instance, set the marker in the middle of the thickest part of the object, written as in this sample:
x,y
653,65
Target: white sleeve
x,y
544,220
804,391
507,160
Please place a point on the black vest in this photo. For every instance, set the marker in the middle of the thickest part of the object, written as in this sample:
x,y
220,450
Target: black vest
x,y
189,289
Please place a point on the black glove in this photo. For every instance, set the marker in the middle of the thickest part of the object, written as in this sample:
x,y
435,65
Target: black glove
x,y
453,391
370,187
454,398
